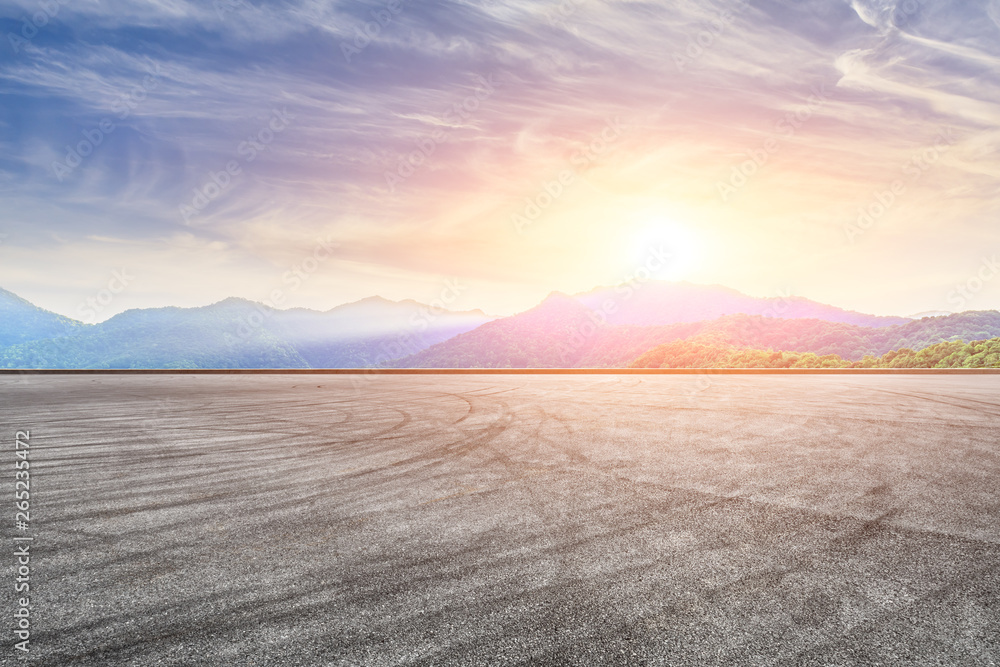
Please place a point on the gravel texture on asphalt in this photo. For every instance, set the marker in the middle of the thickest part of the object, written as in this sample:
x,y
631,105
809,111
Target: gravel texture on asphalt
x,y
508,520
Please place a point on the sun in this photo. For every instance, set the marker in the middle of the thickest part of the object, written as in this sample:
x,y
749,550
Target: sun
x,y
658,236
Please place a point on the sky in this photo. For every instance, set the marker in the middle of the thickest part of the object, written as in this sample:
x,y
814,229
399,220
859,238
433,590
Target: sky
x,y
308,153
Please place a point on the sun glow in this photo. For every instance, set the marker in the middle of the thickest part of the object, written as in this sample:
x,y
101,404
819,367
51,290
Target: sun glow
x,y
659,236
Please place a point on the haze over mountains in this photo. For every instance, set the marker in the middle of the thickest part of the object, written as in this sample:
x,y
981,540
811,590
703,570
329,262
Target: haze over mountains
x,y
234,333
561,332
659,302
606,327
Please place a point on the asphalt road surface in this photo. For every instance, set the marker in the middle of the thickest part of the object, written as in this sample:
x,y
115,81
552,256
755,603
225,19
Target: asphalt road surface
x,y
508,520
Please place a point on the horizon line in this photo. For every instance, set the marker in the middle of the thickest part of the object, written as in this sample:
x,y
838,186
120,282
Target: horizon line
x,y
495,316
501,371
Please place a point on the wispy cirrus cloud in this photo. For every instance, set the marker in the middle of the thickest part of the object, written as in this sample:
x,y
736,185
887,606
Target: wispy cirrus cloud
x,y
896,77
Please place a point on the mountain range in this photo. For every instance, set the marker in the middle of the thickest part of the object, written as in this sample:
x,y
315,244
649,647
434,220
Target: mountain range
x,y
612,327
659,302
562,332
234,333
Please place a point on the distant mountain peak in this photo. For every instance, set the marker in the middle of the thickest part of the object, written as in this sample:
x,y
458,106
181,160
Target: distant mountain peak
x,y
21,321
658,302
372,299
230,301
930,313
558,302
557,297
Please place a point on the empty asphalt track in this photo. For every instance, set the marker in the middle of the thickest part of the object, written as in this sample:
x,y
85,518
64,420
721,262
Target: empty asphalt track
x,y
480,520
